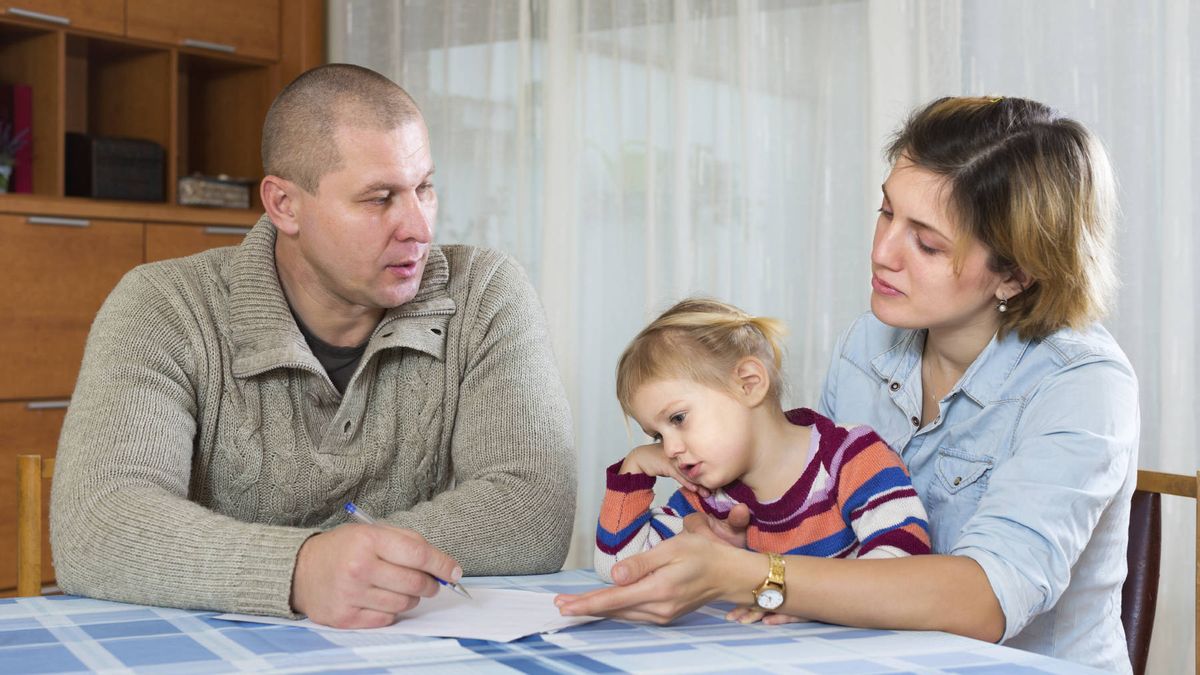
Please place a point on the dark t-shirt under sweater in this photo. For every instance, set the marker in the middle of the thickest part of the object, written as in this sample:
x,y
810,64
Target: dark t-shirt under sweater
x,y
339,362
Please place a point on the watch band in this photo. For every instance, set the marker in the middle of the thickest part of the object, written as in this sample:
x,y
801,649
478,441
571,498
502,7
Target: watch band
x,y
776,574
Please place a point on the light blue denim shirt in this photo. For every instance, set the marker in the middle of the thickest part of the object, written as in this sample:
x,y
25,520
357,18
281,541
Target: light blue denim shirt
x,y
1028,469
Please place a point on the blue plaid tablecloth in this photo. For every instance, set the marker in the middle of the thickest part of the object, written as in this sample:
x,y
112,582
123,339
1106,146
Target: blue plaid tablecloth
x,y
55,634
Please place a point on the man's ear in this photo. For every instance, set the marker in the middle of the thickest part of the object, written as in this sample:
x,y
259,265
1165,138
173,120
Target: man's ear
x,y
751,380
279,201
1016,282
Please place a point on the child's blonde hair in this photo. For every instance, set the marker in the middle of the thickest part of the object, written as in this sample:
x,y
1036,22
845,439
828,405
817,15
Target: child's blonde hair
x,y
701,340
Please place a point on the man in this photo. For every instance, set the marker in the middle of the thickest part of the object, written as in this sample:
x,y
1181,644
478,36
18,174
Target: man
x,y
232,402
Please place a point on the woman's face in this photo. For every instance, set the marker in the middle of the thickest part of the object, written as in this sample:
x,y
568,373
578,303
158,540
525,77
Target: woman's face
x,y
914,283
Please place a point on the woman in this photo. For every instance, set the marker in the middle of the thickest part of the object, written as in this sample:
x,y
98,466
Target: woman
x,y
982,364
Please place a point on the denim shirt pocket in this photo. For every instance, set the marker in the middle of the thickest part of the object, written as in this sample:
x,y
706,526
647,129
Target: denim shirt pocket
x,y
958,471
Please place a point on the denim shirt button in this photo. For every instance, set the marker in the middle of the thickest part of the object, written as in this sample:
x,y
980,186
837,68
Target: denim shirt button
x,y
895,386
916,421
958,480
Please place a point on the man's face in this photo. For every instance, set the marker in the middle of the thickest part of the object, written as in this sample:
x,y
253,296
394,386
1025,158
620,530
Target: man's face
x,y
365,234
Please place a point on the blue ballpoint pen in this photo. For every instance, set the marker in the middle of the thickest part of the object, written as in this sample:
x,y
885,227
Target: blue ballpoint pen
x,y
357,514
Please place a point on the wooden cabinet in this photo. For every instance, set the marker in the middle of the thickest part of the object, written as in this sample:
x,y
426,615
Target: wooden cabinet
x,y
57,273
124,68
203,106
165,241
245,27
25,428
101,16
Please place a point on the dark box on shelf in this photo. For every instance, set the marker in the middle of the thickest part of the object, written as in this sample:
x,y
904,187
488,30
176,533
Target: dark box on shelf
x,y
114,168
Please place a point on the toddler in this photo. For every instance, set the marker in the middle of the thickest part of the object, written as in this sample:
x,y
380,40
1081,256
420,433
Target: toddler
x,y
703,380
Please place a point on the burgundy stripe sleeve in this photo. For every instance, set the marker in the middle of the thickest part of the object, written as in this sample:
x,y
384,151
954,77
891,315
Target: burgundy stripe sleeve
x,y
627,482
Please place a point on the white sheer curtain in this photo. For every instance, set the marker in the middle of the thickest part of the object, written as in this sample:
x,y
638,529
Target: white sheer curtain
x,y
629,154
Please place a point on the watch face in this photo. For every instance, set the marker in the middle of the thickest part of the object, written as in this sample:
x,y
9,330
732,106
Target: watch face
x,y
769,598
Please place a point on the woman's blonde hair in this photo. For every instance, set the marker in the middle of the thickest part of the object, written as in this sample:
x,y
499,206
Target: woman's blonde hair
x,y
701,340
1036,189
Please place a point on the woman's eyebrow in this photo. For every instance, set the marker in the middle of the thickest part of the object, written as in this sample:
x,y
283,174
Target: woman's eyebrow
x,y
919,223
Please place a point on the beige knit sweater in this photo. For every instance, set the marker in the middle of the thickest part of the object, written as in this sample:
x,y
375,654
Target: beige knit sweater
x,y
205,443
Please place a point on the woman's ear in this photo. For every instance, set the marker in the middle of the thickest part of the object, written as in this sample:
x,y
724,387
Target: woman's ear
x,y
279,201
1014,285
751,380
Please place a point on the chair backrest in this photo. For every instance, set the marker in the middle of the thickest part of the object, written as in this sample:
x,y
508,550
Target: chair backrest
x,y
31,471
1139,595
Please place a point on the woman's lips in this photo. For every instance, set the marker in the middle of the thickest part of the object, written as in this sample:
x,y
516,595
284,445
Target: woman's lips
x,y
883,288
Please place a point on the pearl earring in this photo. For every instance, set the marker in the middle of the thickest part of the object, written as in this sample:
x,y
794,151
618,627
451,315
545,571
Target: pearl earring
x,y
1002,306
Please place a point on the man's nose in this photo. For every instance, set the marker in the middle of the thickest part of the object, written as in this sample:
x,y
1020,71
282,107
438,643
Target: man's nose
x,y
413,220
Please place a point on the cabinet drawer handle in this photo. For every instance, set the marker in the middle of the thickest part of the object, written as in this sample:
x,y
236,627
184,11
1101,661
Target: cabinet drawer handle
x,y
47,405
217,229
205,44
51,220
29,14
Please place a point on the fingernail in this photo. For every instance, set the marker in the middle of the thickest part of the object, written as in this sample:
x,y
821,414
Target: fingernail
x,y
619,574
456,574
559,602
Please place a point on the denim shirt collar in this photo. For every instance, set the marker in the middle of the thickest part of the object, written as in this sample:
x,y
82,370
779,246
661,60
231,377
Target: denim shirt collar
x,y
984,378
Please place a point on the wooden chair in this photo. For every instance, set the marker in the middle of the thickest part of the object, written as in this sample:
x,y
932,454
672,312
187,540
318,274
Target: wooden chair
x,y
1140,592
31,471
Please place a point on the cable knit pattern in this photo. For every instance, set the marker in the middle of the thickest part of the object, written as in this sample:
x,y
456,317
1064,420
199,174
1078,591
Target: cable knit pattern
x,y
205,443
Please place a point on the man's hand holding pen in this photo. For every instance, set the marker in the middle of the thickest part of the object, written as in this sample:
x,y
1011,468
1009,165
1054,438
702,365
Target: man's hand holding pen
x,y
363,576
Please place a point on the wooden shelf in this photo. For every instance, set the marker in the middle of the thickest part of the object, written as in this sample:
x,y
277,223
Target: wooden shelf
x,y
222,106
78,207
117,68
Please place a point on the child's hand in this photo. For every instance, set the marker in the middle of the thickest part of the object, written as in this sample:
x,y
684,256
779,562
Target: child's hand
x,y
752,614
731,529
652,460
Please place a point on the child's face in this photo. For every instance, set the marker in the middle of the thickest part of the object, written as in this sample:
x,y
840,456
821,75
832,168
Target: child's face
x,y
704,431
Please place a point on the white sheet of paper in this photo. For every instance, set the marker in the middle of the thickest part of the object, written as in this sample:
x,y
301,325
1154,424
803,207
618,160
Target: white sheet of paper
x,y
496,614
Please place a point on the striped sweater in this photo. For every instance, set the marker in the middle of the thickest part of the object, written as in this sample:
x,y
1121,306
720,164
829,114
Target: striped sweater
x,y
853,500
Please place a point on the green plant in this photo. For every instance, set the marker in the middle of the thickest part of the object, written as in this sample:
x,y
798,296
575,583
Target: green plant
x,y
10,143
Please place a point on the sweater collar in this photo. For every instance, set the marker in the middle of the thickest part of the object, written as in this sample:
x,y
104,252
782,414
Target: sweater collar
x,y
264,333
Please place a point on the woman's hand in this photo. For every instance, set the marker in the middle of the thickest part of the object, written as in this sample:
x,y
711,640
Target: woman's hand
x,y
652,460
670,580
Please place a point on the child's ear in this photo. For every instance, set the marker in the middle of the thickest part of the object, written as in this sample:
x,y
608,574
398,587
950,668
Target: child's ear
x,y
752,380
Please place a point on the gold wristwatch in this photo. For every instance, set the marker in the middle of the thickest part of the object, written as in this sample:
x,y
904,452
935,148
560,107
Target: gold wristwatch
x,y
771,593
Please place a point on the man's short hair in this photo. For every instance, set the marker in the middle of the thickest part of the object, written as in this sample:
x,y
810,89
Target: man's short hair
x,y
299,135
